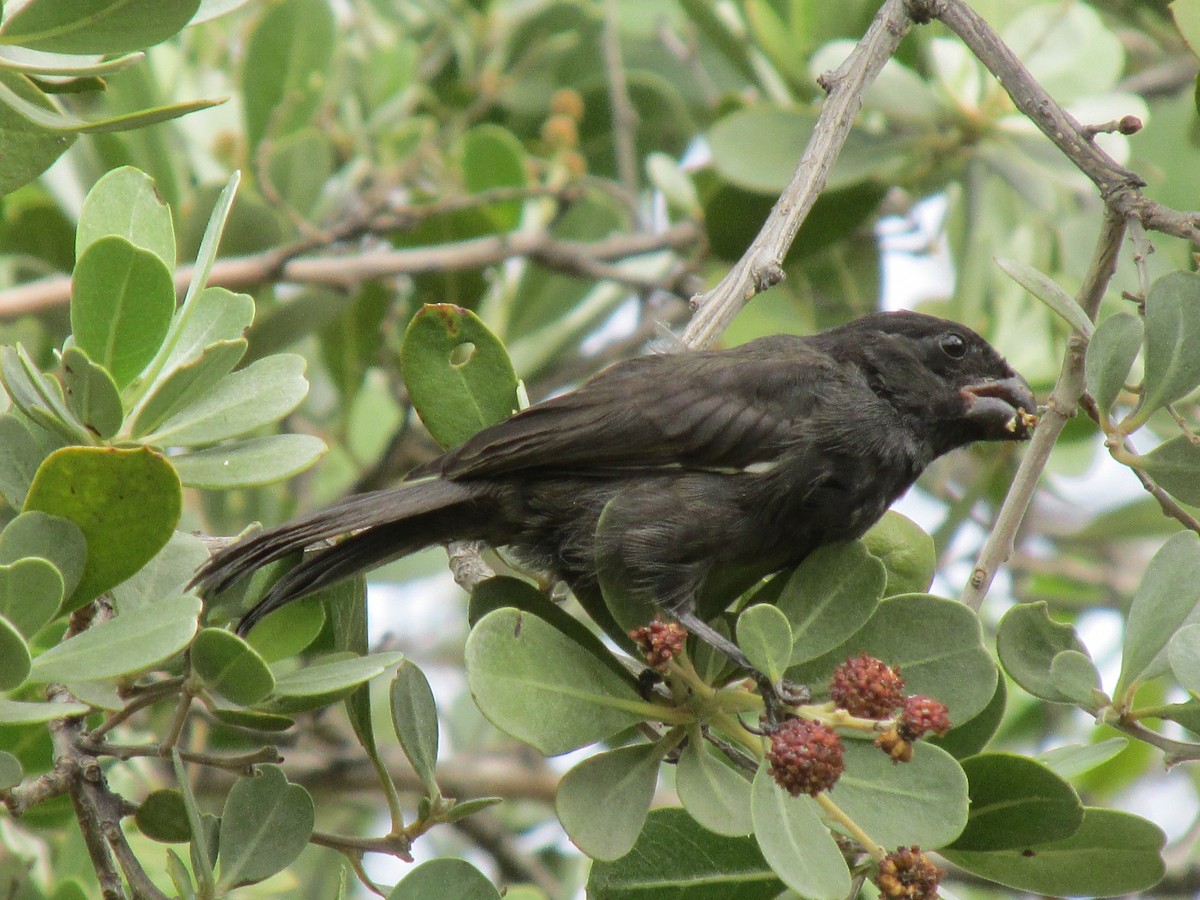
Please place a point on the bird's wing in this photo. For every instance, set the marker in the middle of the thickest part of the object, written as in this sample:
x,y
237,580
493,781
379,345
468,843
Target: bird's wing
x,y
728,409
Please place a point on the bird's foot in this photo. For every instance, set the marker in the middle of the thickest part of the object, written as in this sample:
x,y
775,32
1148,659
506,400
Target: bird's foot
x,y
779,697
776,697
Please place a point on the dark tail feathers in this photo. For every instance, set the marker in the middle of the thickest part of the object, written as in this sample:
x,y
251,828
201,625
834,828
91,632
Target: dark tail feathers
x,y
380,527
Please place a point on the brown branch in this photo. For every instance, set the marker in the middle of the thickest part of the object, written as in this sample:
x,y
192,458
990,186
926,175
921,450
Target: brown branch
x,y
1064,399
350,270
761,265
1119,187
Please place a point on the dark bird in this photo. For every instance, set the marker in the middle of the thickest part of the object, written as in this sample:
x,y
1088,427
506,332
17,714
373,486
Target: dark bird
x,y
710,468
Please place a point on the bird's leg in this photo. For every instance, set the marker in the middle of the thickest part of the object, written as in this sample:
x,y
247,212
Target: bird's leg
x,y
775,701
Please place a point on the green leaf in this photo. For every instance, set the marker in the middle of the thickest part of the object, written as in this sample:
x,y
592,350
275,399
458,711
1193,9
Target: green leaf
x,y
124,645
1112,853
99,27
602,802
1186,14
1047,290
1175,465
675,857
1110,354
252,719
942,654
504,590
795,843
286,66
163,817
125,202
126,503
10,770
288,631
52,538
351,342
830,596
414,716
920,802
31,590
251,462
27,148
92,394
57,122
14,657
205,343
39,396
122,300
325,682
1169,591
458,374
445,878
1016,803
13,712
1075,676
765,636
1172,368
215,315
670,178
168,572
209,243
186,383
540,687
265,824
20,457
970,737
299,165
715,794
1183,651
230,666
492,157
263,392
1075,759
765,164
1027,642
908,554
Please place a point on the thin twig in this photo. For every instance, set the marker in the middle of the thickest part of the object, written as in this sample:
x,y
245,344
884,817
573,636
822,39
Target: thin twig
x,y
350,270
1061,407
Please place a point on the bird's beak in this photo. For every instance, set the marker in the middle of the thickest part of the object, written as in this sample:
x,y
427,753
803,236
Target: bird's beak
x,y
1004,409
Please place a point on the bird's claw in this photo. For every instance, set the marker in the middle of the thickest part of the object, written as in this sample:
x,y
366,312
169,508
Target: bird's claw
x,y
779,698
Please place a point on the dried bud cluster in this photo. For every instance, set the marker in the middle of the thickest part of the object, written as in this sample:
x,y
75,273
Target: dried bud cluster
x,y
867,687
907,874
660,642
805,757
920,715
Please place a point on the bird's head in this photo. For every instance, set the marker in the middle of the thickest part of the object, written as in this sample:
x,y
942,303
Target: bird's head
x,y
944,377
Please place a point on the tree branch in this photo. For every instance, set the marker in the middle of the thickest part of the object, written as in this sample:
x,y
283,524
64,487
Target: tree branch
x,y
1064,399
761,265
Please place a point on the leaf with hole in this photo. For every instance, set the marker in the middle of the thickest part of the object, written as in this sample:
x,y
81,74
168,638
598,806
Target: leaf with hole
x,y
458,374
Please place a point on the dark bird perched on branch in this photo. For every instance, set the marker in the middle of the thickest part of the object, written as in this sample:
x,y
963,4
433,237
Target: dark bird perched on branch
x,y
703,464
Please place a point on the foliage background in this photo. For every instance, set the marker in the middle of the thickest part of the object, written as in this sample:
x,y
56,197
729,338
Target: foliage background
x,y
630,151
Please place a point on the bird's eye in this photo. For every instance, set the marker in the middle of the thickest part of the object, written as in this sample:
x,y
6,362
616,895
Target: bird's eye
x,y
953,345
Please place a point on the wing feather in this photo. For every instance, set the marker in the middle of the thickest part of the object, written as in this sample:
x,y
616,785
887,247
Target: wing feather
x,y
716,409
